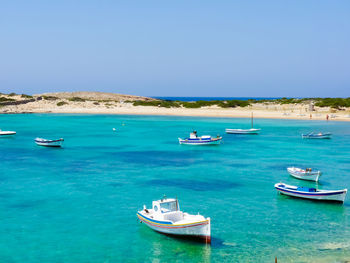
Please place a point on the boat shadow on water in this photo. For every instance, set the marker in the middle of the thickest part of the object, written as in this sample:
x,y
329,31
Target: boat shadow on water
x,y
303,200
148,234
7,137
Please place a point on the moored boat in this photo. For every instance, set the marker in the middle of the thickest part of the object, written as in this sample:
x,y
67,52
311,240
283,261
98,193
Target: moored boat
x,y
7,133
304,174
202,140
243,131
311,193
166,217
319,135
49,143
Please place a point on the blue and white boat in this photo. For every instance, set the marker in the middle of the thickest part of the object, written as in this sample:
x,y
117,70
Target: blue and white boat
x,y
49,143
202,140
319,135
311,193
166,217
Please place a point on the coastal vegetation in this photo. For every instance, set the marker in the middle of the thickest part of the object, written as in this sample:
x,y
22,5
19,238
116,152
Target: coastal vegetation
x,y
335,103
77,99
50,98
61,103
4,99
25,96
194,104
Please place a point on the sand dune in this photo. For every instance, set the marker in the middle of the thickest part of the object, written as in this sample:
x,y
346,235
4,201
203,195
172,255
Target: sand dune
x,y
111,103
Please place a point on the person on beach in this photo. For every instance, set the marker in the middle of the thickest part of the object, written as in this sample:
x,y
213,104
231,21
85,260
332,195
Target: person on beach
x,y
327,117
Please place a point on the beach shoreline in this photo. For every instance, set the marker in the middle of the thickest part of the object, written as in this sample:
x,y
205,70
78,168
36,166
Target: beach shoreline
x,y
153,111
117,104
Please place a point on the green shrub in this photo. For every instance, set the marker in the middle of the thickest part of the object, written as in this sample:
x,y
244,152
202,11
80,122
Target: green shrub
x,y
234,103
26,96
157,103
335,103
61,103
4,99
76,99
12,94
50,98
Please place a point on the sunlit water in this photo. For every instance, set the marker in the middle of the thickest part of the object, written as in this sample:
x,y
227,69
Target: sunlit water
x,y
79,203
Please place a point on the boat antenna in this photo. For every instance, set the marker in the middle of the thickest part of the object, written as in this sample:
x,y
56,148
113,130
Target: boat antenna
x,y
164,197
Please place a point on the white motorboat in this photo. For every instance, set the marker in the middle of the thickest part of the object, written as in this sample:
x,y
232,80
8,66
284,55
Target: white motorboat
x,y
319,135
7,133
202,140
304,174
311,193
49,143
244,131
166,217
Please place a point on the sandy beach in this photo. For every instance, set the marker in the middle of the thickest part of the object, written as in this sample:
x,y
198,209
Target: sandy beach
x,y
109,103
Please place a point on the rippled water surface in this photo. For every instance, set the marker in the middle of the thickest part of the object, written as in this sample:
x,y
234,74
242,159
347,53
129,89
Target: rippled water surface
x,y
79,203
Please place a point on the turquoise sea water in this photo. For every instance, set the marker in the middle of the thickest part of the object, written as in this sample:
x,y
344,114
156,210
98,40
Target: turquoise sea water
x,y
79,203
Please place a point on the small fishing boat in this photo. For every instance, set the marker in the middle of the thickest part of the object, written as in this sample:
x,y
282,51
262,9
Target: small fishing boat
x,y
7,133
311,193
49,143
319,135
304,174
244,131
202,140
166,217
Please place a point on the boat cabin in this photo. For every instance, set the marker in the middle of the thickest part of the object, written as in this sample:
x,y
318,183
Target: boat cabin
x,y
193,135
167,209
165,205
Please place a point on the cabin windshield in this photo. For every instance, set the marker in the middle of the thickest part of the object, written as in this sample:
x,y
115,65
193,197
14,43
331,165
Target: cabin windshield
x,y
168,207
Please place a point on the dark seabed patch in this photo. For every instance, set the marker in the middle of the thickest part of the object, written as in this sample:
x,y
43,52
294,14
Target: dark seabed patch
x,y
196,185
78,166
115,184
27,204
238,165
161,158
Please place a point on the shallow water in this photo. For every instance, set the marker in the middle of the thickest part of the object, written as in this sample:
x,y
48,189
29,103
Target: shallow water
x,y
79,203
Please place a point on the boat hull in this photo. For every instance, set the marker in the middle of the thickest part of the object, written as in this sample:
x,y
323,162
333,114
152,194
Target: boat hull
x,y
49,143
242,131
7,133
215,141
199,231
315,136
335,196
308,176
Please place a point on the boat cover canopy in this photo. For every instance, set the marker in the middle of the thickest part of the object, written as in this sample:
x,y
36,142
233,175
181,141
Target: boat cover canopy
x,y
306,189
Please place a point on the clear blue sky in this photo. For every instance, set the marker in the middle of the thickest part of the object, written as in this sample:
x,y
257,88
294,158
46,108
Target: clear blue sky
x,y
177,48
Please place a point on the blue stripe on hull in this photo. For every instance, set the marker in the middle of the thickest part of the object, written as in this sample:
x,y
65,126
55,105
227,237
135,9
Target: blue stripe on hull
x,y
309,194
